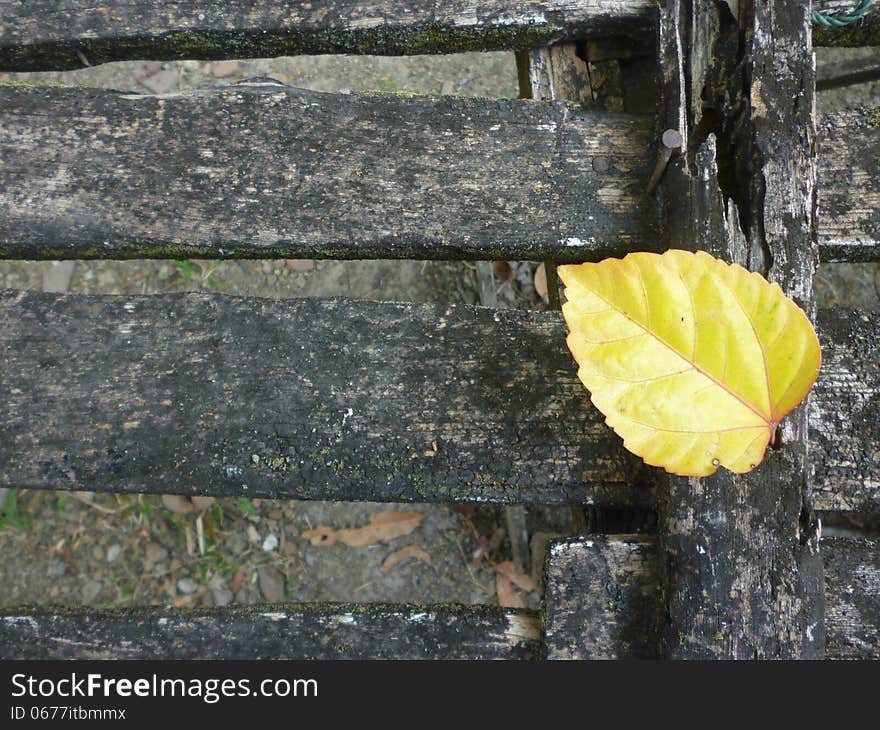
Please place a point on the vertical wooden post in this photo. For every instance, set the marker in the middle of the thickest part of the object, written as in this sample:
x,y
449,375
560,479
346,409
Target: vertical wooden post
x,y
739,564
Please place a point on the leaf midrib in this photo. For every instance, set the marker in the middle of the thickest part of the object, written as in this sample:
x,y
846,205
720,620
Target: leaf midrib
x,y
768,421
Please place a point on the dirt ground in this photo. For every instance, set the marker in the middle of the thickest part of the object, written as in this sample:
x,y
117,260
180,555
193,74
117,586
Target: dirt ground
x,y
122,550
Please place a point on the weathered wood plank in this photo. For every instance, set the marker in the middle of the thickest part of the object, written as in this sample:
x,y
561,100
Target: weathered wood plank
x,y
41,36
852,595
266,170
849,185
335,399
863,33
846,400
284,631
740,572
613,620
601,596
321,399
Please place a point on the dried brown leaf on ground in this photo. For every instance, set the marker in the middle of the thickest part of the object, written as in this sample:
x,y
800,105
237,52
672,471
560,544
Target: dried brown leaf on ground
x,y
410,551
503,270
541,283
383,526
300,264
271,583
520,580
202,503
177,504
510,585
222,69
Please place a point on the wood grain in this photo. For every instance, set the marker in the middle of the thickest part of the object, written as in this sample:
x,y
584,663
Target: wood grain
x,y
342,399
40,36
849,185
284,631
613,620
264,170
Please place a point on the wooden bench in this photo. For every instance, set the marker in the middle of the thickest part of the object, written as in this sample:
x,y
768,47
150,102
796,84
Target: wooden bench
x,y
339,399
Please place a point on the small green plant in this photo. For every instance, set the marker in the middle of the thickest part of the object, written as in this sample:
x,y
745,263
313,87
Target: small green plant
x,y
217,512
386,85
202,272
12,516
246,506
145,509
187,270
213,562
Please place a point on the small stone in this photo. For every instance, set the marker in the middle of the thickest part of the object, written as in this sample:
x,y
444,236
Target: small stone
x,y
222,596
253,535
91,589
156,553
57,568
271,583
235,543
187,585
270,543
266,267
113,553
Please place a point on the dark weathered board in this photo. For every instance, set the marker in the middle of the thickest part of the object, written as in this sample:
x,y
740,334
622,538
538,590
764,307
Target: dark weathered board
x,y
264,170
846,399
601,593
740,574
849,185
601,597
40,36
866,32
336,399
852,595
267,170
322,399
284,631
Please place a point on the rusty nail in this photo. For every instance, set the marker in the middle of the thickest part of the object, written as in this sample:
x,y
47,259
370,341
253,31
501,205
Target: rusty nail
x,y
670,143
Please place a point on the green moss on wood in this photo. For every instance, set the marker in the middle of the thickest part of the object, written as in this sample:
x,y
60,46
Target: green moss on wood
x,y
865,33
213,44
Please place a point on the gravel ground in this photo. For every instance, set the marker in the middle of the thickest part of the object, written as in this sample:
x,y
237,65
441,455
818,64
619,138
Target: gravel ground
x,y
122,550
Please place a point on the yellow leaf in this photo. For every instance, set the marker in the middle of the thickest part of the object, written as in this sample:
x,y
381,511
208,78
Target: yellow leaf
x,y
692,361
